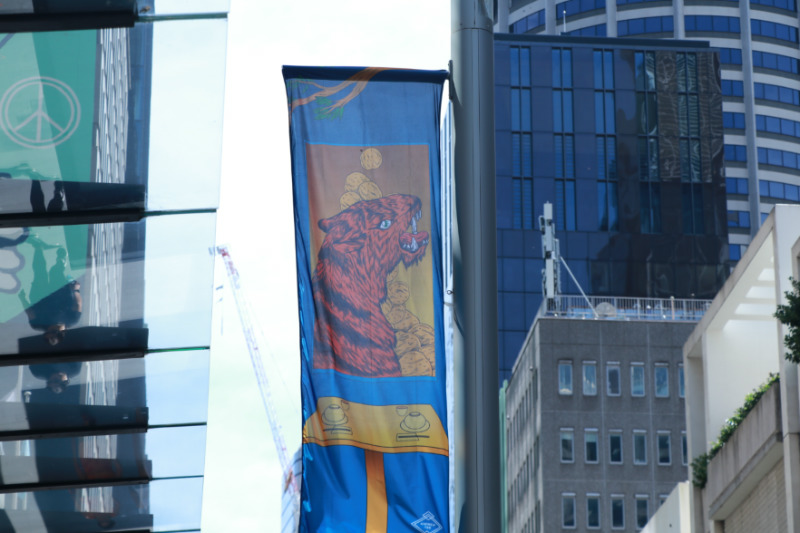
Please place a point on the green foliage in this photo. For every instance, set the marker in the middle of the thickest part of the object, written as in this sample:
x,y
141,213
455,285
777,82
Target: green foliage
x,y
700,463
789,315
324,110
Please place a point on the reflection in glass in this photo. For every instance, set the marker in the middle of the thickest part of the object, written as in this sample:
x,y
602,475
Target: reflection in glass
x,y
78,288
131,394
589,379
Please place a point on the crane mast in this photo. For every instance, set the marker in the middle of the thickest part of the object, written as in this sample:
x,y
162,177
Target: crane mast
x,y
243,307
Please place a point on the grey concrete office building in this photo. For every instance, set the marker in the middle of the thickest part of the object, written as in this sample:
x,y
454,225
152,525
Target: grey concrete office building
x,y
595,427
758,43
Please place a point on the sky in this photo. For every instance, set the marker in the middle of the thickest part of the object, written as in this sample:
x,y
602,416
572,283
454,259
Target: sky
x,y
243,475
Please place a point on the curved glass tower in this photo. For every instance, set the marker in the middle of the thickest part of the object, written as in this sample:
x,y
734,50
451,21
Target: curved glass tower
x,y
758,44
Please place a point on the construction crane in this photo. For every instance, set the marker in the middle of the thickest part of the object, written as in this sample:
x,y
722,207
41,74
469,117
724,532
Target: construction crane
x,y
243,306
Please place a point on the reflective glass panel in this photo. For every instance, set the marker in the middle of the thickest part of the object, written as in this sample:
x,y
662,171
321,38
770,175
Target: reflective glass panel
x,y
186,105
639,448
593,511
70,396
617,513
162,505
107,287
641,512
637,380
612,380
187,7
568,511
664,449
117,118
662,381
615,448
567,448
564,378
590,438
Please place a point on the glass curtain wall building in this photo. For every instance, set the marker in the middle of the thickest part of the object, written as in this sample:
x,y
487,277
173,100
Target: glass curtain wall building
x,y
758,44
109,180
625,139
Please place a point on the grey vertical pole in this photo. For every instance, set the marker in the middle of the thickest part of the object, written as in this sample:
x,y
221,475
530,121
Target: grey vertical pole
x,y
477,499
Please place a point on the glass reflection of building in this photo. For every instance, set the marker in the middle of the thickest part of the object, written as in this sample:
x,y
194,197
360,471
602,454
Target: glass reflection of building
x,y
625,139
758,49
105,274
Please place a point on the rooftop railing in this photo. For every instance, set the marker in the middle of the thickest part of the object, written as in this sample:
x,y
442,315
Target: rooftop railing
x,y
623,308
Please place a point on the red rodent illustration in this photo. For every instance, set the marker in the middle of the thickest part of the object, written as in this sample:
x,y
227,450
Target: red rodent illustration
x,y
362,245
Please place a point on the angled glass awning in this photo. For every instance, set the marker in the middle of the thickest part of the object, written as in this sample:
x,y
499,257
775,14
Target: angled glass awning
x,y
110,150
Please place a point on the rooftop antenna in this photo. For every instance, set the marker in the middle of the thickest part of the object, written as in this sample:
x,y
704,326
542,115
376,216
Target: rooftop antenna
x,y
551,275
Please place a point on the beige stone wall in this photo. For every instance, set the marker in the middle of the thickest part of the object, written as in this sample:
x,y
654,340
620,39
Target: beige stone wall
x,y
765,507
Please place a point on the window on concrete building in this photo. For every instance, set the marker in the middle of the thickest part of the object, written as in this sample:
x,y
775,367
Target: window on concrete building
x,y
662,380
591,444
681,385
637,379
589,378
662,498
568,510
639,447
615,447
617,511
641,511
613,379
593,511
664,452
567,445
684,449
565,377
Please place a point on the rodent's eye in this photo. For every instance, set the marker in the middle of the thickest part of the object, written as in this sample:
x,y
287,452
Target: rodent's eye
x,y
385,224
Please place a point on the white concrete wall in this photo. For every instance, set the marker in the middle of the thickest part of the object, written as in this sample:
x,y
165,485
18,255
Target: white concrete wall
x,y
738,358
673,515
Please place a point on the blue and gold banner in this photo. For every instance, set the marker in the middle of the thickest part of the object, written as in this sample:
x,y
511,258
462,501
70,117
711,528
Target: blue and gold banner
x,y
365,158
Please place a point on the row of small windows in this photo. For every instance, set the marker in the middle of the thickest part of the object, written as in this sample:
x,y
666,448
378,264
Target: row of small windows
x,y
569,518
592,453
732,88
781,4
644,25
590,379
733,120
736,152
598,30
709,23
531,22
763,91
775,62
573,7
738,219
736,186
778,190
730,56
779,158
520,63
773,30
781,126
775,93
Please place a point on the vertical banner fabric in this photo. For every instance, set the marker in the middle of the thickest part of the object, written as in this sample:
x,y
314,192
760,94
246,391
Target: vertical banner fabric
x,y
365,165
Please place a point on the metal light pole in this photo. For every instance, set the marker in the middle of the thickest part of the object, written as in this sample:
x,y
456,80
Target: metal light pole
x,y
477,499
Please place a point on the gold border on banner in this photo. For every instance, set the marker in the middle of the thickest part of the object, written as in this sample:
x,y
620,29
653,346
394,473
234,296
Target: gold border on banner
x,y
401,428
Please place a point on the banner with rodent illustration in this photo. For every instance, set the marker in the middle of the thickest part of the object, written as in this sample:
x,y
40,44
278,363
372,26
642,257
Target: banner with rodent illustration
x,y
365,164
